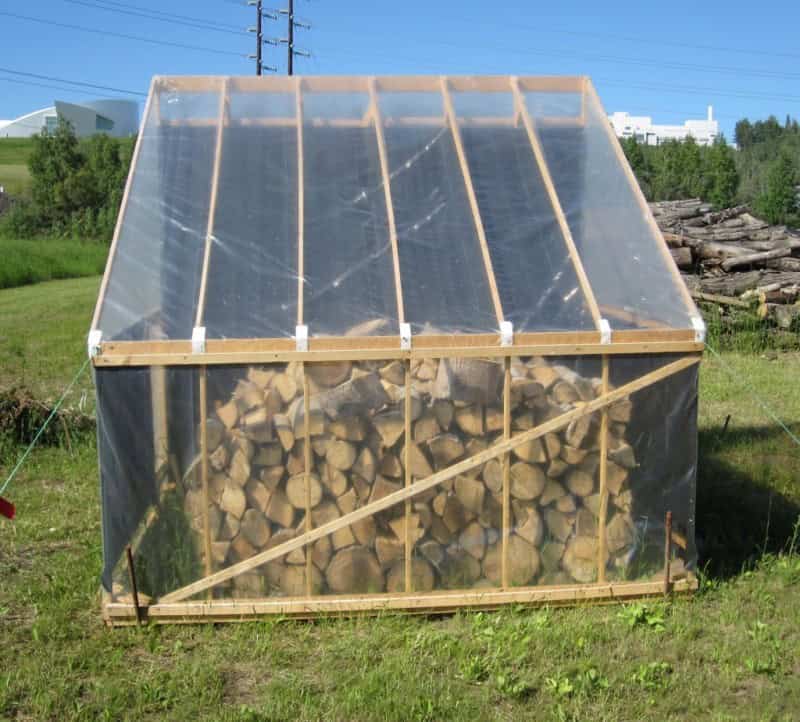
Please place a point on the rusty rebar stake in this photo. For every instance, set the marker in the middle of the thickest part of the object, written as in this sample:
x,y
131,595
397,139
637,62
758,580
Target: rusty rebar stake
x,y
134,590
667,549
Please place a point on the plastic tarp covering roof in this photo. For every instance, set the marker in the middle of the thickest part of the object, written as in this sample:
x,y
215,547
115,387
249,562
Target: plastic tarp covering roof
x,y
257,205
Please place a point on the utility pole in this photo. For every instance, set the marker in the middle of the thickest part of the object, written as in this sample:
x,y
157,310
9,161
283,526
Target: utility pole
x,y
291,51
258,30
259,39
290,44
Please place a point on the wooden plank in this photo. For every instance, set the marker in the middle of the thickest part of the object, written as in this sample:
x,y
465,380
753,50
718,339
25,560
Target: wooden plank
x,y
722,300
335,83
301,203
478,83
490,342
473,200
408,84
552,84
592,97
121,614
435,479
307,466
506,474
262,84
204,469
212,204
387,195
123,207
187,358
407,468
541,162
189,83
158,404
601,526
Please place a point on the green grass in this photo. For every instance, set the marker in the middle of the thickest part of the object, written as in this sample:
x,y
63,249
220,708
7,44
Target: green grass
x,y
729,653
43,329
15,150
31,261
15,179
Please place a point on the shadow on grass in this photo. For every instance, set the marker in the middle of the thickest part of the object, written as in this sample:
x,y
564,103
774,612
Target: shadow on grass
x,y
740,512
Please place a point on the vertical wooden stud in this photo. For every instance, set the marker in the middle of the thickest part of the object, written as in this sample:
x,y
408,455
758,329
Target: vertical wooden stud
x,y
408,480
204,469
601,526
307,465
506,472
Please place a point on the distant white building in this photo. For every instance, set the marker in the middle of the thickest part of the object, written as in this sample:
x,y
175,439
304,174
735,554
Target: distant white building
x,y
119,118
645,131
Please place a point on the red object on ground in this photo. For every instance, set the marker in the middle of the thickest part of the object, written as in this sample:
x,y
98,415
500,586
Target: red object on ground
x,y
7,508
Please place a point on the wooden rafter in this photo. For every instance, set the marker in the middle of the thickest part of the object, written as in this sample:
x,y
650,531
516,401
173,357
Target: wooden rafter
x,y
212,204
301,204
541,162
473,199
461,467
594,100
112,253
387,194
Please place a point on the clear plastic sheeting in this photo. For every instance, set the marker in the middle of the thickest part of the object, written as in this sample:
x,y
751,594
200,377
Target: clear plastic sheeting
x,y
352,205
206,469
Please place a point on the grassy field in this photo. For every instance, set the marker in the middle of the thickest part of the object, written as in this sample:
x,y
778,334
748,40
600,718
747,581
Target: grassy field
x,y
15,179
35,260
730,653
15,150
14,175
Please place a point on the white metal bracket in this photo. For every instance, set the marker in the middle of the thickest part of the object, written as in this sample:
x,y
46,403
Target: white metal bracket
x,y
405,336
506,333
93,342
699,327
199,339
605,331
301,338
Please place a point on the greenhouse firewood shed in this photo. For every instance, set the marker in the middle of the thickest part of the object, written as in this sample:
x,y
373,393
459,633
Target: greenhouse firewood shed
x,y
370,343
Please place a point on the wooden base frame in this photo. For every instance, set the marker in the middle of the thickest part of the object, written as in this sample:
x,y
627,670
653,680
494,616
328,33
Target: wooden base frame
x,y
117,614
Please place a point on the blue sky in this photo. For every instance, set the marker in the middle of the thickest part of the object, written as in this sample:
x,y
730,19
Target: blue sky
x,y
668,60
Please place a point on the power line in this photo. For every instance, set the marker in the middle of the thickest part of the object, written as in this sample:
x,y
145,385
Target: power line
x,y
125,36
203,25
80,83
175,16
44,85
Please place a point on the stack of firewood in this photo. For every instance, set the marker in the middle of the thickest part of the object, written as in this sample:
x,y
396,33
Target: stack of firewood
x,y
259,494
735,259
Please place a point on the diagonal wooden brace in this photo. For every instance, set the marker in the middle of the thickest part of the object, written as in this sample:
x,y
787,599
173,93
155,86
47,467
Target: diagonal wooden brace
x,y
439,477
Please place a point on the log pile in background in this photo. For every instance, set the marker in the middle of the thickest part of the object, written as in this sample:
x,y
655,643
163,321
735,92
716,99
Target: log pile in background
x,y
734,258
258,492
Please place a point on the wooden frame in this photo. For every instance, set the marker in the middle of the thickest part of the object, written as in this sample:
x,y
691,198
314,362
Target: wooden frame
x,y
650,337
175,604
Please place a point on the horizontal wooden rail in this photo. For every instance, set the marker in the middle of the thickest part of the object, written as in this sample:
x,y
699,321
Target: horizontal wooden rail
x,y
122,613
439,477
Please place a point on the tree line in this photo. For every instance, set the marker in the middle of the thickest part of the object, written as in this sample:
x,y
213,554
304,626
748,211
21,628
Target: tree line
x,y
763,171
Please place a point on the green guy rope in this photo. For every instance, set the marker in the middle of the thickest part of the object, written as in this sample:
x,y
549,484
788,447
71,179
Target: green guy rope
x,y
43,427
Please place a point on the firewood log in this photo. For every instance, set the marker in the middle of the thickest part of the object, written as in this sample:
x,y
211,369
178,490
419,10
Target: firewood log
x,y
355,570
527,481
